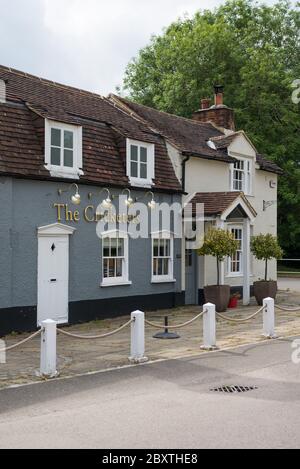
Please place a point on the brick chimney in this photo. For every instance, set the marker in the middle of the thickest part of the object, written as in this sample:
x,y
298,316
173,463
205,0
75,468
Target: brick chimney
x,y
2,91
205,102
219,114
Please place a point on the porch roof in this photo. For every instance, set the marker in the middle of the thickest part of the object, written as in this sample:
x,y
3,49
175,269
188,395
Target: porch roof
x,y
222,203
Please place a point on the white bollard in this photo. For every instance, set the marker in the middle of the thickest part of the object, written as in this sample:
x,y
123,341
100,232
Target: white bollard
x,y
137,349
269,318
48,349
209,327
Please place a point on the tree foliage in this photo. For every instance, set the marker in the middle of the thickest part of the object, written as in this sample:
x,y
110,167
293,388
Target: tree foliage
x,y
219,244
266,247
254,50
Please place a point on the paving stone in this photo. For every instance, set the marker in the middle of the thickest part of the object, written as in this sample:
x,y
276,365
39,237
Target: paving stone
x,y
82,356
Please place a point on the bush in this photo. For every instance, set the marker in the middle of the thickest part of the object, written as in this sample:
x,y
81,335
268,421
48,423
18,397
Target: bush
x,y
218,243
266,247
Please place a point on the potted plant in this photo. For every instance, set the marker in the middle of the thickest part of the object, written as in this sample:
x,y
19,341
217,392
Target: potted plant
x,y
233,302
265,247
219,244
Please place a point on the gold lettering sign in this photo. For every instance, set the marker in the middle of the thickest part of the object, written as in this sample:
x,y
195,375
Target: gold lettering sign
x,y
64,213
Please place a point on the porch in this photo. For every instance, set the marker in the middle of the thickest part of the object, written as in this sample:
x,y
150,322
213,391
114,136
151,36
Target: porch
x,y
225,210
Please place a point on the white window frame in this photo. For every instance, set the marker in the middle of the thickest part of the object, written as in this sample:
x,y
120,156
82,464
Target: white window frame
x,y
138,181
115,281
247,173
163,278
60,170
241,251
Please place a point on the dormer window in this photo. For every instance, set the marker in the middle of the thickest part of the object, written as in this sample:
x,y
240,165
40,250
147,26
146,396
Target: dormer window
x,y
63,149
241,176
140,163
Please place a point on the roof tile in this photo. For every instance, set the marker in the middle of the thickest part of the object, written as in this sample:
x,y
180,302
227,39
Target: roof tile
x,y
31,100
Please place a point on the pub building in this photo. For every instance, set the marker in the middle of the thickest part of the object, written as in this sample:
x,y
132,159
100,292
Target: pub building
x,y
73,165
65,154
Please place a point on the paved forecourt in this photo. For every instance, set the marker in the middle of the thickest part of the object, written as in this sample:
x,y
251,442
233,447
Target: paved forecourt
x,y
83,356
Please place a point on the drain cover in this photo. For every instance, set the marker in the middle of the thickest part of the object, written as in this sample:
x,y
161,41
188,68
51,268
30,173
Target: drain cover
x,y
234,389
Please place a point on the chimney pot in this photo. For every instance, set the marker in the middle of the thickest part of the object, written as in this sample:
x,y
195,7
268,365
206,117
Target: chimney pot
x,y
2,91
219,89
219,114
205,102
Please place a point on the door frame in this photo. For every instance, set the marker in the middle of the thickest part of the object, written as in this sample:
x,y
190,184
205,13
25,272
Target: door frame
x,y
48,231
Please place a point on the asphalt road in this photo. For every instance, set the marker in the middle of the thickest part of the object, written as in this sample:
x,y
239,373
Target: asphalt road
x,y
165,404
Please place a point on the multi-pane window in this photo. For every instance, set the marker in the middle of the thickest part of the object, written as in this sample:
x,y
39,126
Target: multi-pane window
x,y
162,259
241,176
236,261
140,162
248,186
238,175
113,257
62,148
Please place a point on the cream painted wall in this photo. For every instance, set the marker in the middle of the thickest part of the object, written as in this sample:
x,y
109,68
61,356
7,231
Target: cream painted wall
x,y
206,176
212,176
242,146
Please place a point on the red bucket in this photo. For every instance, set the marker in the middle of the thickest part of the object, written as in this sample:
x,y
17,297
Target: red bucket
x,y
233,302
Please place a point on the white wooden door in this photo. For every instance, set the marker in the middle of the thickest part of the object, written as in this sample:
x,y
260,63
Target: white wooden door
x,y
53,278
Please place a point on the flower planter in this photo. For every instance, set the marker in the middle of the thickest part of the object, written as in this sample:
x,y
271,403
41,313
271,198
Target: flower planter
x,y
218,295
264,289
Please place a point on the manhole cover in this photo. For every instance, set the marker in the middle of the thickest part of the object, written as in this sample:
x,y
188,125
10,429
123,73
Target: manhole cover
x,y
234,389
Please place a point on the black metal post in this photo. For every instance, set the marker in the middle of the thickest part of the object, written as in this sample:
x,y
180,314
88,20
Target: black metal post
x,y
166,334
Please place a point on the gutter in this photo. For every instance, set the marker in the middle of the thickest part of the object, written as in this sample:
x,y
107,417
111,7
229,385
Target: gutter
x,y
223,159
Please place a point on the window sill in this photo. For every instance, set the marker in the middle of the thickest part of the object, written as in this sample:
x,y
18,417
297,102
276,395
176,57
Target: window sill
x,y
140,183
234,275
115,283
163,280
64,173
245,193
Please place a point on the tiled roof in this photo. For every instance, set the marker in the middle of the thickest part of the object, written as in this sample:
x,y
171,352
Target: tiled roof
x,y
190,136
31,99
215,203
187,135
266,165
223,141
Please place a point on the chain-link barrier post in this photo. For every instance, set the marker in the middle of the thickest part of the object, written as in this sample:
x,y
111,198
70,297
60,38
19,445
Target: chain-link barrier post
x,y
2,352
137,349
48,349
269,318
209,327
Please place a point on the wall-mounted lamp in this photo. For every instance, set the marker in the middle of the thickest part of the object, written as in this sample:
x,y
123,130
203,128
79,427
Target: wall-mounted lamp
x,y
152,203
75,198
106,203
129,201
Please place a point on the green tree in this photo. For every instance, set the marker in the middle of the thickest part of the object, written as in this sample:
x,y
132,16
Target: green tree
x,y
254,50
266,247
219,244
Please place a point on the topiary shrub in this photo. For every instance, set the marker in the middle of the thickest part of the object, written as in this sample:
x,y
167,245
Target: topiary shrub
x,y
266,247
218,243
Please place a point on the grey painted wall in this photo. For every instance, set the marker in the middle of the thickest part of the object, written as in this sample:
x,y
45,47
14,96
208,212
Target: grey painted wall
x,y
26,205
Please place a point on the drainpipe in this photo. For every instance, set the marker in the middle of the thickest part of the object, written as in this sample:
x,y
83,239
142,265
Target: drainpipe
x,y
183,172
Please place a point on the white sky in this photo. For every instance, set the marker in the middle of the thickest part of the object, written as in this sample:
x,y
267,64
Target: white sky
x,y
84,43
